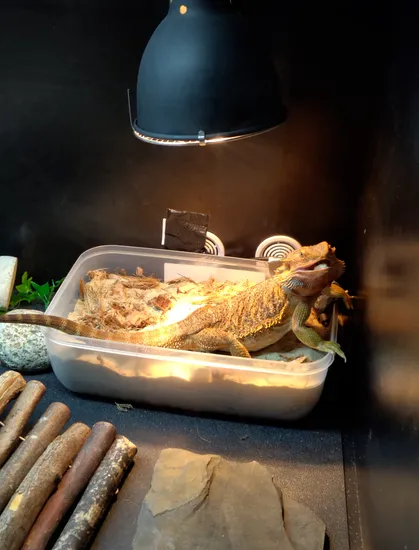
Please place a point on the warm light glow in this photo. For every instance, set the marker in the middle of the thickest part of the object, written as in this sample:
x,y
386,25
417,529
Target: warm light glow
x,y
169,370
202,374
194,374
194,142
220,139
257,380
180,311
183,10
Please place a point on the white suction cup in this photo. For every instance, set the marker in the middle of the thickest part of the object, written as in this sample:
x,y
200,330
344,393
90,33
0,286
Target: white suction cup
x,y
214,245
277,246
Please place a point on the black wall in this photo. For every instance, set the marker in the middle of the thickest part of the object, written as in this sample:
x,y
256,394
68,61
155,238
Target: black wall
x,y
73,176
387,434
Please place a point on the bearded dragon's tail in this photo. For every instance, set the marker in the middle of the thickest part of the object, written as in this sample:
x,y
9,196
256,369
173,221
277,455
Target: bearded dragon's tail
x,y
158,337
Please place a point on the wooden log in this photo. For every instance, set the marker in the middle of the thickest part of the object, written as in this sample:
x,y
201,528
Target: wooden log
x,y
11,384
71,486
45,430
16,420
93,505
26,503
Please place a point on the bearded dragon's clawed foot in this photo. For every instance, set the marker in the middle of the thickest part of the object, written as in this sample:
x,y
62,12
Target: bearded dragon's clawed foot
x,y
211,339
337,292
328,295
331,347
309,336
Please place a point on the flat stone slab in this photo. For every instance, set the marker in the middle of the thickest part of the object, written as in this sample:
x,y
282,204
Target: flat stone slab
x,y
203,502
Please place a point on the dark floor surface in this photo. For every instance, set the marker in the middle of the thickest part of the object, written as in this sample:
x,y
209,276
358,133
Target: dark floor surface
x,y
306,462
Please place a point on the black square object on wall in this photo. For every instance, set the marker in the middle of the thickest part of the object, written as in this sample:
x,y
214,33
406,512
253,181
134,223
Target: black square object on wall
x,y
185,231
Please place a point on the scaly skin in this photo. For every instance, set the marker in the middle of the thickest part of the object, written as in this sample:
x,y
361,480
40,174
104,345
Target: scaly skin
x,y
249,321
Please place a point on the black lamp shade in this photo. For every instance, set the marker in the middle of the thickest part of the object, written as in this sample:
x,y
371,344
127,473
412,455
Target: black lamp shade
x,y
205,77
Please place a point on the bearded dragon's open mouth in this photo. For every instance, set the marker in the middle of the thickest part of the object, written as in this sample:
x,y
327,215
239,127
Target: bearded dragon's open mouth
x,y
316,266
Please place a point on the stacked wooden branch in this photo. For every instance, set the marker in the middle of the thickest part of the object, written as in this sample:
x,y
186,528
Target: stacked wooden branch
x,y
45,475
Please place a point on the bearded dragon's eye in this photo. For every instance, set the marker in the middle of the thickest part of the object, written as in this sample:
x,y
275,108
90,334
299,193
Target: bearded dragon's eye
x,y
302,254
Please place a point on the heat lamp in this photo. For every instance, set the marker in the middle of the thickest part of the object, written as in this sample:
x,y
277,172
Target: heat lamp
x,y
205,77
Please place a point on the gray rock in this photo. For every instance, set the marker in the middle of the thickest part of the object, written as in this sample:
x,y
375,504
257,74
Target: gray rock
x,y
22,347
203,502
304,529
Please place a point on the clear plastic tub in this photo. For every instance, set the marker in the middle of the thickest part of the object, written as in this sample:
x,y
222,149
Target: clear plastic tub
x,y
187,380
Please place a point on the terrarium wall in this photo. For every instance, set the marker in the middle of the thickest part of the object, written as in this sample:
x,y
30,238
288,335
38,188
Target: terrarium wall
x,y
73,176
386,444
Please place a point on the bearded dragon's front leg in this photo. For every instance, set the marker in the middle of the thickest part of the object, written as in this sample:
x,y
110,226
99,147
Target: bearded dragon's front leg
x,y
309,336
336,292
211,339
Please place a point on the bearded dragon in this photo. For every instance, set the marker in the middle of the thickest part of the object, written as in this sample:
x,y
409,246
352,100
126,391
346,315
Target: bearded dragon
x,y
248,321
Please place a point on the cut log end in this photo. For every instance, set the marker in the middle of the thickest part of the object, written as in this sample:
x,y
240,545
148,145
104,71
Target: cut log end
x,y
11,384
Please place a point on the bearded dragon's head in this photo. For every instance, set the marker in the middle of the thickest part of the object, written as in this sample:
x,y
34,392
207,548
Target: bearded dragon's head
x,y
310,269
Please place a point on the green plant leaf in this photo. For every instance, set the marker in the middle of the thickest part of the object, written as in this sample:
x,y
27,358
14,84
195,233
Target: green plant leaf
x,y
25,286
42,290
29,291
17,299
